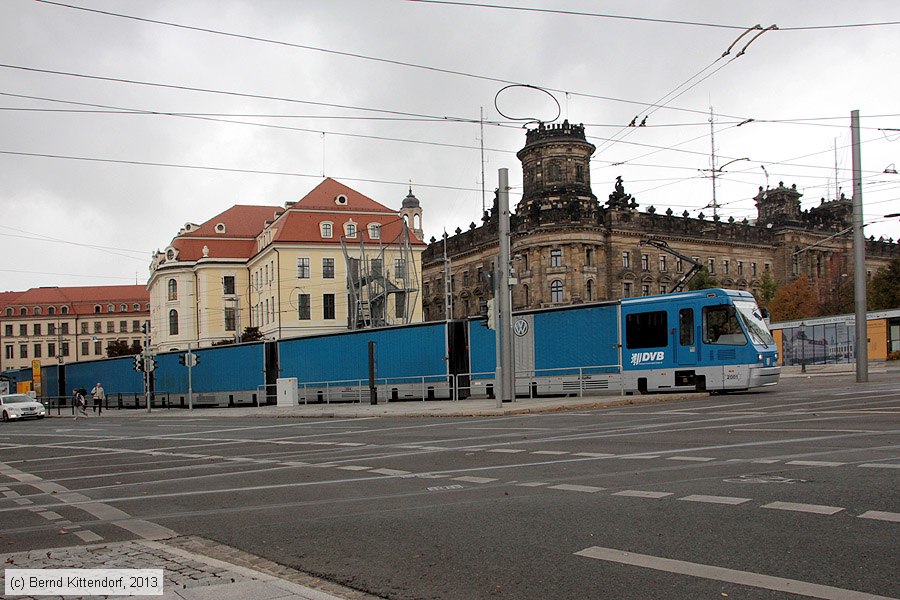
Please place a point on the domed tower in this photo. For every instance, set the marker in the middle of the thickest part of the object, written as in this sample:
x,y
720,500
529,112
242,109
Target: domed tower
x,y
411,211
556,175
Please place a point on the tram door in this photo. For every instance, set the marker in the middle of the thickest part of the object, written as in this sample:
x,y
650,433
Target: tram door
x,y
686,344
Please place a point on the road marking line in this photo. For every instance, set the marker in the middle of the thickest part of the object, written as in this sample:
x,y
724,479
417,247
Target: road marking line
x,y
506,450
640,457
22,501
576,488
88,536
817,509
531,484
295,463
550,452
881,466
594,454
50,515
642,494
389,472
816,463
350,444
475,479
765,461
354,468
881,516
758,580
715,499
691,458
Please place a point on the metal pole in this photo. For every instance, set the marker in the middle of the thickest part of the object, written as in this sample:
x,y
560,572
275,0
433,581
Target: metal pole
x,y
499,379
802,338
190,365
373,391
859,257
504,324
147,360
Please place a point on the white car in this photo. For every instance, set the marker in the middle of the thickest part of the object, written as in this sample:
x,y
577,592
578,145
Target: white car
x,y
20,406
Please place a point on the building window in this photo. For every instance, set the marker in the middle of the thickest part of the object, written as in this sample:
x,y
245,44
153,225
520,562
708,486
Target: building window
x,y
662,263
579,173
589,257
303,268
98,327
556,257
98,348
51,329
136,307
589,290
795,264
173,291
725,266
23,330
328,306
85,349
400,271
711,266
110,327
8,330
230,319
65,310
626,260
37,350
65,328
228,284
328,268
135,326
51,310
37,329
123,326
554,172
326,229
375,231
527,295
753,269
740,267
9,312
64,349
645,262
173,322
662,289
303,312
51,349
37,310
766,266
9,351
350,229
23,312
556,291
23,350
123,308
110,308
645,290
84,327
400,306
375,266
626,289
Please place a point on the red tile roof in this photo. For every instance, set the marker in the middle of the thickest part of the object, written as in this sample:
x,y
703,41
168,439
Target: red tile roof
x,y
322,197
241,221
80,300
191,249
304,227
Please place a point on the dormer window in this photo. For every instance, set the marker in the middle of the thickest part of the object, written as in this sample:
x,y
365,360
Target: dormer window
x,y
37,310
326,228
65,310
220,227
350,229
51,310
97,309
110,308
340,200
171,254
375,231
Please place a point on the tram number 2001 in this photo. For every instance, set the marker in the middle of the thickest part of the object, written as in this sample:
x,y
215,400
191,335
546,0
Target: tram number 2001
x,y
732,376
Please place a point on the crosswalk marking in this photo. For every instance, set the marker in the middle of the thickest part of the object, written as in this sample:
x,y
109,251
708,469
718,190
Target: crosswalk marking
x,y
816,463
576,488
642,494
715,499
817,509
881,516
474,479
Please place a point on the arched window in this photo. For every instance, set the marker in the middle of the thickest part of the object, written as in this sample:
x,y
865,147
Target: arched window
x,y
97,309
173,322
375,231
37,310
51,310
173,290
9,312
65,310
554,172
589,289
23,311
556,291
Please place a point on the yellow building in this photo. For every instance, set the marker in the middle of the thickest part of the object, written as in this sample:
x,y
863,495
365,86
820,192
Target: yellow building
x,y
334,260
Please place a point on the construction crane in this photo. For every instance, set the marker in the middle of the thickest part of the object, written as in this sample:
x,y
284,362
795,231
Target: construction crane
x,y
664,246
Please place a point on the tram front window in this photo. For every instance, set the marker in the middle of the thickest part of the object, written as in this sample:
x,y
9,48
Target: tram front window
x,y
754,323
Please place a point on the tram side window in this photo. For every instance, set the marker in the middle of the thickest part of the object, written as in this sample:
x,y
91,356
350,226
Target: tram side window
x,y
720,326
686,326
646,330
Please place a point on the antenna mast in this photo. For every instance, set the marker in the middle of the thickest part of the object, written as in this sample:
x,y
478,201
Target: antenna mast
x,y
712,140
483,205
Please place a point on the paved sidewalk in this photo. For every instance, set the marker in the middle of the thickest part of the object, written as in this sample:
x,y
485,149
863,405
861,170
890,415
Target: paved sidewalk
x,y
194,569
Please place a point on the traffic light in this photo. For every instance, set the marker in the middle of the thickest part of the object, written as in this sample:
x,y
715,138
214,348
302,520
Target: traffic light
x,y
491,315
195,360
145,327
151,364
138,362
182,359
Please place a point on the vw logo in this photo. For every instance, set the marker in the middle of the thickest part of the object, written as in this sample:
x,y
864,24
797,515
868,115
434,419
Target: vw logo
x,y
520,327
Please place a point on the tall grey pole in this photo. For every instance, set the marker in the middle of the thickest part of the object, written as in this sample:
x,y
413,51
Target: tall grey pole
x,y
189,359
504,324
859,257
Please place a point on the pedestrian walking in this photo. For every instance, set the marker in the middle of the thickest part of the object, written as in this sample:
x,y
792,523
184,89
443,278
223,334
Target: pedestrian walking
x,y
79,403
99,395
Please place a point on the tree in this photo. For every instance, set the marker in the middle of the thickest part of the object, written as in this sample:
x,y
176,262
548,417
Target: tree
x,y
766,289
883,292
251,334
796,300
703,280
834,292
121,348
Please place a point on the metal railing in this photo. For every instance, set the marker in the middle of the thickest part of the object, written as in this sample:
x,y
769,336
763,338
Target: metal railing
x,y
324,390
584,374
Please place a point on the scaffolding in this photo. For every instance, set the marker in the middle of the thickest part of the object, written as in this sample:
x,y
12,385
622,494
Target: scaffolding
x,y
371,285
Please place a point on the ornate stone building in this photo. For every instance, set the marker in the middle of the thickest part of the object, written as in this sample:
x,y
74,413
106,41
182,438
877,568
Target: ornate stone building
x,y
567,248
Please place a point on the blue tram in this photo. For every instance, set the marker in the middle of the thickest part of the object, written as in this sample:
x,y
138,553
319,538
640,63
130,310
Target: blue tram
x,y
707,340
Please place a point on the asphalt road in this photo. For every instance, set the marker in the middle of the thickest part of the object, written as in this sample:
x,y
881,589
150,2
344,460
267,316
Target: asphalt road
x,y
792,492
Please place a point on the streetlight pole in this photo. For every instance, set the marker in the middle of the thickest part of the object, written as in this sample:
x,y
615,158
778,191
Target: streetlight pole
x,y
802,338
859,256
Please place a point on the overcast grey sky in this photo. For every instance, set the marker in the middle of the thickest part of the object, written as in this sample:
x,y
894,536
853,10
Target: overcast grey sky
x,y
73,216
